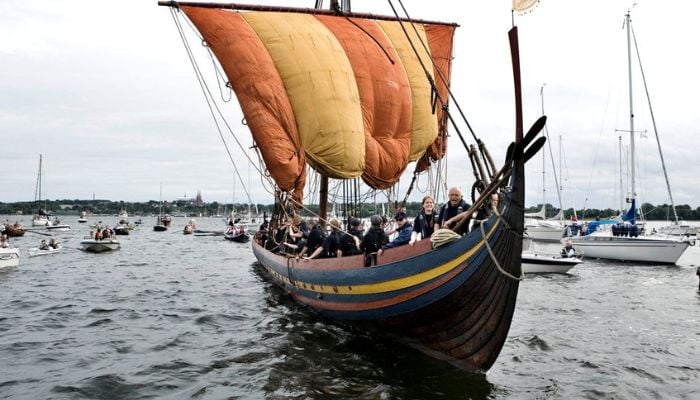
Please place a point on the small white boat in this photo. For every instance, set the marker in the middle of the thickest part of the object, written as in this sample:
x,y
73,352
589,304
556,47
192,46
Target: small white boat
x,y
99,246
534,263
82,218
9,257
58,228
35,251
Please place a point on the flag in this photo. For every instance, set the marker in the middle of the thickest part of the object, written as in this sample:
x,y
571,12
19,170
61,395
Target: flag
x,y
524,6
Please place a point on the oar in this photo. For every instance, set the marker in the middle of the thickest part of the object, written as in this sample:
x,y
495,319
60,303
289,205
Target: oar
x,y
38,233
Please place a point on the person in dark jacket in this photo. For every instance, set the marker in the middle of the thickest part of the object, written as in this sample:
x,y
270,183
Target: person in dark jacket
x,y
404,229
424,224
373,240
316,238
350,241
331,244
454,206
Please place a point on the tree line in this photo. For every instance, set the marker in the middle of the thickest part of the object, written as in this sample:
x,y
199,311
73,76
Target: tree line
x,y
74,207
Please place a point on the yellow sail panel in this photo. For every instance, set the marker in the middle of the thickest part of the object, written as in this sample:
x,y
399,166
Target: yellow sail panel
x,y
321,87
385,96
425,125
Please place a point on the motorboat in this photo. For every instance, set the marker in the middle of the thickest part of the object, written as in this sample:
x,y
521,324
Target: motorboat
x,y
99,246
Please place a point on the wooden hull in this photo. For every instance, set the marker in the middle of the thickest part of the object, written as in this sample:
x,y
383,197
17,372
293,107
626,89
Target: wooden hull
x,y
453,302
12,231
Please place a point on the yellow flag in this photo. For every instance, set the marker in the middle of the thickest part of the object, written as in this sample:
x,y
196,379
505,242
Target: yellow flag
x,y
524,6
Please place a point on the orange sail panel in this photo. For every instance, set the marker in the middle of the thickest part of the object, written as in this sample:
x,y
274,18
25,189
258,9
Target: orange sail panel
x,y
260,91
440,42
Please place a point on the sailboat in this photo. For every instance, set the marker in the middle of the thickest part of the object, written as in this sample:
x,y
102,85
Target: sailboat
x,y
354,96
41,218
162,220
537,225
621,240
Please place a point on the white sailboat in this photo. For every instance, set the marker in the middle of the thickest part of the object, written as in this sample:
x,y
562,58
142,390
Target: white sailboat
x,y
41,218
162,221
621,241
538,226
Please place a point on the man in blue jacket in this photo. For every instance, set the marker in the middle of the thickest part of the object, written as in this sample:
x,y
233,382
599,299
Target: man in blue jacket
x,y
404,230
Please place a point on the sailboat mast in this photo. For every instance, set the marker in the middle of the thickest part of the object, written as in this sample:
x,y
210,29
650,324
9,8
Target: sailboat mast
x,y
633,193
544,158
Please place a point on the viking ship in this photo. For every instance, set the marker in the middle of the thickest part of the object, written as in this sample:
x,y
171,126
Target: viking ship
x,y
360,97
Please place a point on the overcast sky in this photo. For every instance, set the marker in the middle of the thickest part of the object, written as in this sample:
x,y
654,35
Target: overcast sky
x,y
104,90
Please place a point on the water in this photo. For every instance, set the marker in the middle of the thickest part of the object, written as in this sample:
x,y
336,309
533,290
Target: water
x,y
178,317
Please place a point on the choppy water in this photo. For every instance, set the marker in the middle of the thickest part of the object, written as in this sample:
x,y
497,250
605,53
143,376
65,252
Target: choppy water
x,y
175,316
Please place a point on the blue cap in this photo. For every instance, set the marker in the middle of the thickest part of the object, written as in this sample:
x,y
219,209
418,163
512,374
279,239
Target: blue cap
x,y
400,215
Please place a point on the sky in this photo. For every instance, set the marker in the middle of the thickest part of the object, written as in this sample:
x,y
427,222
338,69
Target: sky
x,y
105,92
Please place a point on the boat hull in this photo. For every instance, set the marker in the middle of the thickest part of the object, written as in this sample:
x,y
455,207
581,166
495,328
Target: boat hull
x,y
452,302
9,257
639,249
545,233
12,231
533,263
238,238
58,228
99,246
36,252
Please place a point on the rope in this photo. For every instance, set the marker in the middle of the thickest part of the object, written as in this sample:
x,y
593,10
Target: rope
x,y
493,256
213,106
443,236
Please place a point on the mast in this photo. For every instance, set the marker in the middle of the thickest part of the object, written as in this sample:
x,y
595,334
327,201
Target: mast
x,y
656,132
323,200
633,193
544,158
37,191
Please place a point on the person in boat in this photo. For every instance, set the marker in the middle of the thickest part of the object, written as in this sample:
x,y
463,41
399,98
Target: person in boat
x,y
331,244
43,245
107,232
316,239
454,206
568,250
4,243
53,243
350,242
298,231
262,235
373,240
404,228
424,224
98,233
